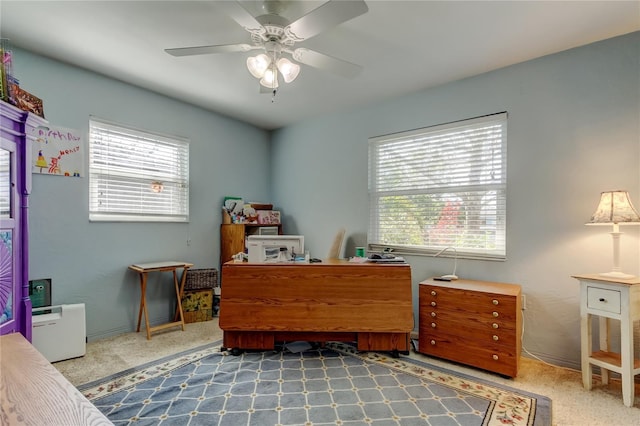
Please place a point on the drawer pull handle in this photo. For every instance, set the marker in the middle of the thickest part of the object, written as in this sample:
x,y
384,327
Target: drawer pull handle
x,y
602,299
495,302
494,325
433,293
433,314
433,342
496,338
433,303
495,314
495,357
433,325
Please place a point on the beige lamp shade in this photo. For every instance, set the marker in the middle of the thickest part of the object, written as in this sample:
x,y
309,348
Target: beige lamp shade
x,y
615,208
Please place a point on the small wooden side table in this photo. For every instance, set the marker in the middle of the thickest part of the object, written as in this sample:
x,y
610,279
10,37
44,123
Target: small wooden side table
x,y
609,298
143,269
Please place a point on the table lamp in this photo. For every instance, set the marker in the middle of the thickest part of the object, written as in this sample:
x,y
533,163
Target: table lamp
x,y
452,276
615,209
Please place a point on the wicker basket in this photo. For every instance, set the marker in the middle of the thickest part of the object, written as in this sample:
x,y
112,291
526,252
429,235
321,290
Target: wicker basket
x,y
201,279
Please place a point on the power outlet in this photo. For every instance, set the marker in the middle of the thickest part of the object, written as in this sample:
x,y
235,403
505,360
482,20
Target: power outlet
x,y
524,302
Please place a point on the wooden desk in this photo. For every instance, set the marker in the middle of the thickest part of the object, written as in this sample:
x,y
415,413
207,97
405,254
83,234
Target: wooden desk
x,y
33,392
143,269
609,298
367,303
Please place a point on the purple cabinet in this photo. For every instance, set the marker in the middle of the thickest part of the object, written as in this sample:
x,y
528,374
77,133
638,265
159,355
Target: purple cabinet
x,y
16,136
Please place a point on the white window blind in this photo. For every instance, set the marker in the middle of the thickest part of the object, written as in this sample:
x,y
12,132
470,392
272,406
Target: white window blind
x,y
136,175
441,186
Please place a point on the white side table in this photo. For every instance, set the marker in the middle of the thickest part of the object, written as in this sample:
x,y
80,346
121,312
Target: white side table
x,y
609,298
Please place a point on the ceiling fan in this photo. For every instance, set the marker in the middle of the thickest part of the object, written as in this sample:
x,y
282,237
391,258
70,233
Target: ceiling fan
x,y
275,36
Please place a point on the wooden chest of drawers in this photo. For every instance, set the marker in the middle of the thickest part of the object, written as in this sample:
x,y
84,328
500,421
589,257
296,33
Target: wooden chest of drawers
x,y
477,323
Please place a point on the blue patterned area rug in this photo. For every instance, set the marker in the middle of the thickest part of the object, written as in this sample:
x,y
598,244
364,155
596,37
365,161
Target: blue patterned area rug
x,y
333,385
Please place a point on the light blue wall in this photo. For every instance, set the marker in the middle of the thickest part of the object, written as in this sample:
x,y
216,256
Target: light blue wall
x,y
573,131
88,261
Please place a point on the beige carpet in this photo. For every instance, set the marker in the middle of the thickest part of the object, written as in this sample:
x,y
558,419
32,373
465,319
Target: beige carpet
x,y
572,405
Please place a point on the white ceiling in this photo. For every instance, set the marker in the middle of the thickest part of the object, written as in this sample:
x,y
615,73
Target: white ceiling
x,y
404,46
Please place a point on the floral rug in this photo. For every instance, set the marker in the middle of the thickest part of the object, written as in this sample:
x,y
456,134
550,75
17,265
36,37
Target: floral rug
x,y
333,385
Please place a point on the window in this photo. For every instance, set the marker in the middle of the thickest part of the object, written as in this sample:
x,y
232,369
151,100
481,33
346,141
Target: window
x,y
441,186
137,176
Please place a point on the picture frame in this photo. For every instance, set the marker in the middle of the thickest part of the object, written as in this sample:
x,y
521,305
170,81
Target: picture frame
x,y
40,294
268,217
27,102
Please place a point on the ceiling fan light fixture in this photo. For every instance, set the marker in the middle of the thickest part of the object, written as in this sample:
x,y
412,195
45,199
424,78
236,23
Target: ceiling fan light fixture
x,y
288,69
270,78
276,35
258,65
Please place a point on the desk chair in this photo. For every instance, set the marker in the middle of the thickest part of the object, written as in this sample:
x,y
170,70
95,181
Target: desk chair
x,y
334,251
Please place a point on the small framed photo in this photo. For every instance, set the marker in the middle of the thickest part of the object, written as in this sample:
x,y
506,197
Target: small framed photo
x,y
27,102
268,217
40,294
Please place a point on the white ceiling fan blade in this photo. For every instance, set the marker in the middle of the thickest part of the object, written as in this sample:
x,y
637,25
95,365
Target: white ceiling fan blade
x,y
239,14
205,50
326,62
326,16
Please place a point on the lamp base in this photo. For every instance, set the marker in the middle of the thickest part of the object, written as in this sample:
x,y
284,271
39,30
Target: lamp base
x,y
451,277
617,274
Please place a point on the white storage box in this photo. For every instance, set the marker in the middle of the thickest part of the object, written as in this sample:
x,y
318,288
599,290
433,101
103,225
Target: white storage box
x,y
60,334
